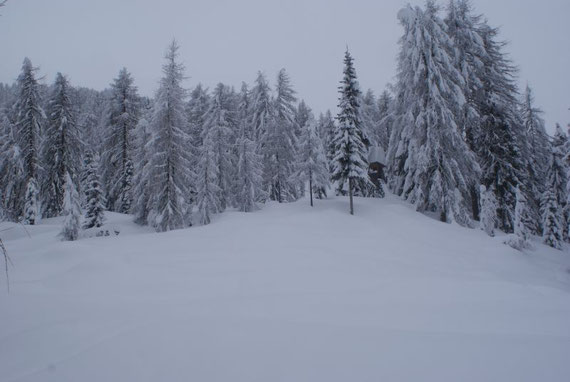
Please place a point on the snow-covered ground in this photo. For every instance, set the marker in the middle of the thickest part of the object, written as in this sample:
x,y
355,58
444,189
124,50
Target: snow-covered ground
x,y
288,293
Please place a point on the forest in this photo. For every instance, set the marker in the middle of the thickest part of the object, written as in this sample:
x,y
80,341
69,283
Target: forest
x,y
460,141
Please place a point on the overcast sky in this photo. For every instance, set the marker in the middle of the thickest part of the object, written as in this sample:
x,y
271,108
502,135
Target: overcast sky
x,y
230,40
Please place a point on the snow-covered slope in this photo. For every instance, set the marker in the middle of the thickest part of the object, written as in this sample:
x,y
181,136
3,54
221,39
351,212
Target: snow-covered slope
x,y
288,293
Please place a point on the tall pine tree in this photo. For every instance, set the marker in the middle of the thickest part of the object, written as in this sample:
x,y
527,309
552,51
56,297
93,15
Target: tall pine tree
x,y
350,165
29,118
117,158
61,148
170,170
430,163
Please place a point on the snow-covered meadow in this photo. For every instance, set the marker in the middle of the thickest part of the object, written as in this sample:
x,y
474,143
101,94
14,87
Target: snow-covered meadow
x,y
288,293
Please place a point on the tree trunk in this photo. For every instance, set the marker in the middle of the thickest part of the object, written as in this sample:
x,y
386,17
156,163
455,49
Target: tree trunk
x,y
350,196
311,186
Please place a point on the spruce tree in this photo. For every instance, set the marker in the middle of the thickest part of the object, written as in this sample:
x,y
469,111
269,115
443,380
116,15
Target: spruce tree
x,y
29,118
279,144
71,211
95,201
350,155
170,171
558,176
141,205
430,164
385,119
249,186
523,223
261,108
537,151
312,165
249,176
497,144
217,131
551,220
61,148
207,178
123,116
488,220
11,171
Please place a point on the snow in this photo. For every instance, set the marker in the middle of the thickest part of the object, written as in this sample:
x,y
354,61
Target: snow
x,y
288,293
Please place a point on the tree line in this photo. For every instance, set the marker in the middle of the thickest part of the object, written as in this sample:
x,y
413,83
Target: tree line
x,y
462,144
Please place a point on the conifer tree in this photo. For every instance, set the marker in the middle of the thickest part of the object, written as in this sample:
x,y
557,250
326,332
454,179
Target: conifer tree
x,y
61,148
71,211
249,187
350,155
497,144
385,119
523,222
488,211
196,111
95,201
312,166
31,205
207,179
249,177
217,131
279,144
537,152
142,179
11,171
558,176
29,118
327,129
124,113
551,219
430,163
261,108
170,169
462,28
370,117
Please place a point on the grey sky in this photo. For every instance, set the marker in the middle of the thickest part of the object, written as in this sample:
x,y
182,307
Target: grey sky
x,y
228,41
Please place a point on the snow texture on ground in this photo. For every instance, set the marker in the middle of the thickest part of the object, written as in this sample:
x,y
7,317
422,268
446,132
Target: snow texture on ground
x,y
288,293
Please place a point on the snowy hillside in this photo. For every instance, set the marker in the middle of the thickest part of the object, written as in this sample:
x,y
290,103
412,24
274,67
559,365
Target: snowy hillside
x,y
288,293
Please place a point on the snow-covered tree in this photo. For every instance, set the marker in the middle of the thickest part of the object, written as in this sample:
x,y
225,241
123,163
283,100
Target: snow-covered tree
x,y
29,117
124,113
558,175
249,183
143,145
249,177
350,167
370,117
384,127
430,164
326,128
61,148
71,211
312,165
170,170
552,231
523,223
31,205
497,142
95,200
11,171
196,110
261,108
462,28
537,151
488,208
218,131
207,178
279,144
